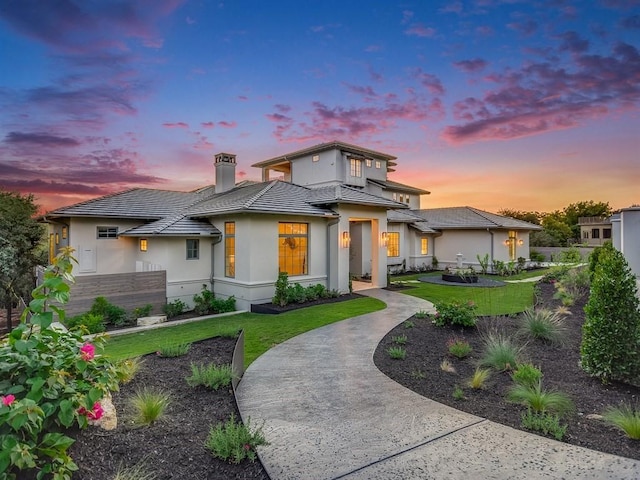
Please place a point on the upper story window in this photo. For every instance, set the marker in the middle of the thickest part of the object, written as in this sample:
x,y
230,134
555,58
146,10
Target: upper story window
x,y
395,196
406,199
230,249
107,232
193,248
378,164
585,234
368,162
315,158
401,198
356,167
393,244
293,242
606,233
595,233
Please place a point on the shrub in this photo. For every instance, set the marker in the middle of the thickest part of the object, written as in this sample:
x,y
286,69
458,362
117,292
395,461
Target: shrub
x,y
203,301
421,314
594,258
233,441
408,324
626,419
543,325
458,393
500,352
458,347
50,380
484,263
545,423
455,313
112,314
91,322
399,339
175,308
174,349
397,353
210,376
536,256
149,405
219,305
280,297
479,378
555,274
142,311
526,374
610,348
539,400
127,369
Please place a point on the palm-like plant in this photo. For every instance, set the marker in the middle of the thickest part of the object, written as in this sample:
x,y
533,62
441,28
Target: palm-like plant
x,y
626,419
539,400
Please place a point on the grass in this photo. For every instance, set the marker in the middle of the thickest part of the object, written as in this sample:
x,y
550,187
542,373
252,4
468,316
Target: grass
x,y
261,331
538,400
174,349
399,339
127,368
512,298
543,325
234,441
479,378
545,423
626,419
500,352
526,374
149,405
139,471
397,353
211,376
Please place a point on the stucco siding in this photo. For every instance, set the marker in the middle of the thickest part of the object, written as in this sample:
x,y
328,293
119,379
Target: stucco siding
x,y
630,238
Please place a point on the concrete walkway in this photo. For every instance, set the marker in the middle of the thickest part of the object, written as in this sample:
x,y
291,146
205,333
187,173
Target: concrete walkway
x,y
329,413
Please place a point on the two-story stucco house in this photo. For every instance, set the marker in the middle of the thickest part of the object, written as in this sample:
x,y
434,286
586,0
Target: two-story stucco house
x,y
330,214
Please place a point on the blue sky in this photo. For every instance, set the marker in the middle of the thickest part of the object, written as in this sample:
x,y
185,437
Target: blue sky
x,y
496,104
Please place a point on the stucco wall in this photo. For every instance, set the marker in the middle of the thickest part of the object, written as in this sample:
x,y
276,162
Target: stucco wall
x,y
630,238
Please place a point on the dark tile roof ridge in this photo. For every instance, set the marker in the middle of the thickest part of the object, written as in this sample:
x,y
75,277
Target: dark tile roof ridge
x,y
261,192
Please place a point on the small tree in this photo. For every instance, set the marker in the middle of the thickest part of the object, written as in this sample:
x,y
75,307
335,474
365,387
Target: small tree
x,y
610,347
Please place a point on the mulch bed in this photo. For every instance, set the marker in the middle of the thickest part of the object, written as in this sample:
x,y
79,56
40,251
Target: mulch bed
x,y
173,448
426,348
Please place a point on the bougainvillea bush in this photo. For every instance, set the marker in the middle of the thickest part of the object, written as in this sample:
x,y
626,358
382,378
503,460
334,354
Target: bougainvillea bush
x,y
50,380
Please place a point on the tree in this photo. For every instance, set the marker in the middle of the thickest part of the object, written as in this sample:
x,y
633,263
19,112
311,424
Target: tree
x,y
21,248
555,226
610,348
574,211
531,217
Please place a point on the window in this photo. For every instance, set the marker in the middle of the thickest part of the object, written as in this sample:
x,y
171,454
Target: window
x,y
368,162
107,232
356,167
315,158
377,163
395,196
230,249
424,246
393,244
293,241
64,233
401,198
406,199
193,249
606,233
585,234
143,244
595,233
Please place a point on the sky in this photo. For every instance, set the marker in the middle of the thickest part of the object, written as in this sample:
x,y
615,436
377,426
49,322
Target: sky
x,y
496,104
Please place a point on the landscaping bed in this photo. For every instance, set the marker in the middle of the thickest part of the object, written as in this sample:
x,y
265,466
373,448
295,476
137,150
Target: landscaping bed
x,y
426,347
173,447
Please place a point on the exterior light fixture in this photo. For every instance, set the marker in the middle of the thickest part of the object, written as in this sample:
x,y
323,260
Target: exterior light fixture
x,y
520,242
345,240
143,244
507,242
57,239
64,233
384,239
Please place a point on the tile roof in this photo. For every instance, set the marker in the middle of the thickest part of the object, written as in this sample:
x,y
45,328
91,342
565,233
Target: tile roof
x,y
469,217
336,194
391,185
407,216
174,225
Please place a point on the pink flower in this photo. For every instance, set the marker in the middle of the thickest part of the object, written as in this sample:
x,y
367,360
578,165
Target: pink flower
x,y
94,414
87,352
8,400
247,446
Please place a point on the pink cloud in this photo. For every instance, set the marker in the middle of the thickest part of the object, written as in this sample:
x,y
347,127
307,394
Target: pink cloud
x,y
176,125
207,124
471,66
226,124
243,98
419,30
430,82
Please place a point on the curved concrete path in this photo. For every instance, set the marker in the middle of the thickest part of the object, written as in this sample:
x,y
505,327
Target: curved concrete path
x,y
329,413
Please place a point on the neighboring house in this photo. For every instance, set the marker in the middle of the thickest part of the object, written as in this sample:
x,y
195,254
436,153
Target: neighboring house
x,y
332,214
626,236
594,231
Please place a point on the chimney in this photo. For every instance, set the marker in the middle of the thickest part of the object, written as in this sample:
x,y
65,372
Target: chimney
x,y
225,164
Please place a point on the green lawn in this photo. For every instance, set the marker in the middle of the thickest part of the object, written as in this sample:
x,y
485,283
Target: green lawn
x,y
261,331
512,298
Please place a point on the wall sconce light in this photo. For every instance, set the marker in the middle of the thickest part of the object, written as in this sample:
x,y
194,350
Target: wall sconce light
x,y
384,239
520,242
345,240
64,233
57,239
143,244
507,242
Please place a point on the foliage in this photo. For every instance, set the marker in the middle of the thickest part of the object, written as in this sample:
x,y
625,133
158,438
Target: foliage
x,y
556,229
21,248
527,374
397,353
112,314
421,314
446,366
570,255
536,256
408,324
455,313
545,423
174,349
149,405
127,369
479,378
399,339
286,294
500,352
417,373
626,419
206,303
51,379
280,297
458,347
531,217
573,285
211,376
555,274
484,263
610,348
139,471
594,258
458,393
145,311
175,308
543,325
92,323
234,441
538,400
574,211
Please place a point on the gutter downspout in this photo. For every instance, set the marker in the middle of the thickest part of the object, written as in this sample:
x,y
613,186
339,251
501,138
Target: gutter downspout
x,y
330,224
216,240
491,233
